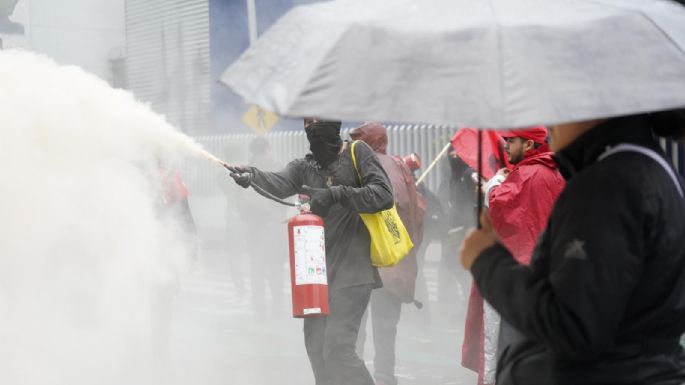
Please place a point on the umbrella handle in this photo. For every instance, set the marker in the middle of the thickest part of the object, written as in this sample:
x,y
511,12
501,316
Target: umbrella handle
x,y
432,165
480,179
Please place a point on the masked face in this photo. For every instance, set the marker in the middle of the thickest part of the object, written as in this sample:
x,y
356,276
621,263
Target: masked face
x,y
324,141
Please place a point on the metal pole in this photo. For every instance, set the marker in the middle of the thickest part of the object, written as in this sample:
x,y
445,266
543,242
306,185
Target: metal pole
x,y
252,20
480,179
435,161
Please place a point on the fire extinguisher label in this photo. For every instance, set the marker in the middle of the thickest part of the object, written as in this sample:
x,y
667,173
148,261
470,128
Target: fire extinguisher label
x,y
310,255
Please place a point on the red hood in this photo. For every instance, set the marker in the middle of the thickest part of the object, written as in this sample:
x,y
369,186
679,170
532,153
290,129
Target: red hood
x,y
374,134
542,155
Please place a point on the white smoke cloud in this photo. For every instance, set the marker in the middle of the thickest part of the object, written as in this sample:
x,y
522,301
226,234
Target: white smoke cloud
x,y
81,242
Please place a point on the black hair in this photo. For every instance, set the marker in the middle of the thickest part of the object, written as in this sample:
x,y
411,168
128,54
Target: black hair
x,y
669,124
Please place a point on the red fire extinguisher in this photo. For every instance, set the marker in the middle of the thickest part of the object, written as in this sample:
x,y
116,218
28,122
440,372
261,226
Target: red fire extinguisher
x,y
308,265
307,244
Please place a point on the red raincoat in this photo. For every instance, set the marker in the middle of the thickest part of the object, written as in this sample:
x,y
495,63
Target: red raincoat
x,y
520,206
173,188
411,207
519,209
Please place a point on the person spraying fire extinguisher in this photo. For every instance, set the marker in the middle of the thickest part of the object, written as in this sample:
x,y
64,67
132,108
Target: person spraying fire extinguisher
x,y
329,178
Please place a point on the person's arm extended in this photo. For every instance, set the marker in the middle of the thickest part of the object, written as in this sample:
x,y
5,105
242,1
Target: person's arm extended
x,y
283,183
375,193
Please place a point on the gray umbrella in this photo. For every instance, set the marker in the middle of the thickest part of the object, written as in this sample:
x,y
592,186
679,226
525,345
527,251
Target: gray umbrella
x,y
482,63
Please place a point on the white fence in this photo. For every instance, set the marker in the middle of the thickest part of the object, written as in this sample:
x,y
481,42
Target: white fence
x,y
425,140
200,176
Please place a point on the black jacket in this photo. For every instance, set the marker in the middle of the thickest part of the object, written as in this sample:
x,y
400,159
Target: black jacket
x,y
604,299
348,260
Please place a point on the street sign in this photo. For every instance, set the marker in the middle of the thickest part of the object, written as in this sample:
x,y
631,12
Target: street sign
x,y
259,119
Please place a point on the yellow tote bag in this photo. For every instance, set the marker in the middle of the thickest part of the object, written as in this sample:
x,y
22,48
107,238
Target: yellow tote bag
x,y
390,240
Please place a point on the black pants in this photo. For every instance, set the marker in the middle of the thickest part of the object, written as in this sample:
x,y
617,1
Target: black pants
x,y
331,341
386,309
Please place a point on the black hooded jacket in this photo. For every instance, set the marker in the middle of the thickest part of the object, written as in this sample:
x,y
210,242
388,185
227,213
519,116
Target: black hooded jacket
x,y
348,245
603,301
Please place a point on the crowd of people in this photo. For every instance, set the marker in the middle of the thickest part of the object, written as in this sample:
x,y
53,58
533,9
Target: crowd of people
x,y
577,265
573,271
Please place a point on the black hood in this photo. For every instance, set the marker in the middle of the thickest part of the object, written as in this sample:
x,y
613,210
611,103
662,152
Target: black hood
x,y
324,141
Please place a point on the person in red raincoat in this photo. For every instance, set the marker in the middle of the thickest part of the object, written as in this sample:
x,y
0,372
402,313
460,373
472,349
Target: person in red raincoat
x,y
519,202
173,210
399,281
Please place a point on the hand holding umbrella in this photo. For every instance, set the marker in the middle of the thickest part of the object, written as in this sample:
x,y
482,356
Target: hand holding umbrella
x,y
477,241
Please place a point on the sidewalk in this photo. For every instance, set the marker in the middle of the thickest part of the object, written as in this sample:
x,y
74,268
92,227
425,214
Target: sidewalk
x,y
216,334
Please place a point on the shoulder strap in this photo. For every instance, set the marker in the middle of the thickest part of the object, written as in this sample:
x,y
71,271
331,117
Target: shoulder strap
x,y
354,161
627,147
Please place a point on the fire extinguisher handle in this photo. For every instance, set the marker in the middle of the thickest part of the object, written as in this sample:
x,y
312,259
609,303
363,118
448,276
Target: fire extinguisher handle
x,y
304,207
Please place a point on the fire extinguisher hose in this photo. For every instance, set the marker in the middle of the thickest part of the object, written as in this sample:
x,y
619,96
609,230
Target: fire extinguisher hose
x,y
267,194
263,192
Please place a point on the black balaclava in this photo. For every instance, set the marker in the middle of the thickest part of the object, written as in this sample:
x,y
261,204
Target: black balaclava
x,y
324,141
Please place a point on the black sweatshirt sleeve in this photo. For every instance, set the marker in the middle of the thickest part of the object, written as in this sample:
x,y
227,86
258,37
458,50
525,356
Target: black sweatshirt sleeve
x,y
572,300
375,193
283,183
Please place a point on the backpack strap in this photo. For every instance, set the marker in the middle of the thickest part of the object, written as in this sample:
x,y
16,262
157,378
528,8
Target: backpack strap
x,y
627,147
354,162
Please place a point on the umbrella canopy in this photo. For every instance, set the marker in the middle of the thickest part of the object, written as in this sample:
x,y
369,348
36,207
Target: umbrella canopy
x,y
478,63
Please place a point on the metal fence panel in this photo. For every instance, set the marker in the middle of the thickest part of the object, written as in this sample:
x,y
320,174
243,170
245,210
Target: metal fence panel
x,y
200,176
425,140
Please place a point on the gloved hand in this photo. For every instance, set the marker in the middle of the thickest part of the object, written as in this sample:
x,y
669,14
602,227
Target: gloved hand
x,y
242,175
321,199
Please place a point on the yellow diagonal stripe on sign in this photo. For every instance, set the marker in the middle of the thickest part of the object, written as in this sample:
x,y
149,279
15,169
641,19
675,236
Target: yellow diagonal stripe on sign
x,y
259,119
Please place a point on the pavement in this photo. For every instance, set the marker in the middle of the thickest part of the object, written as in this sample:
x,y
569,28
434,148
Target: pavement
x,y
216,337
